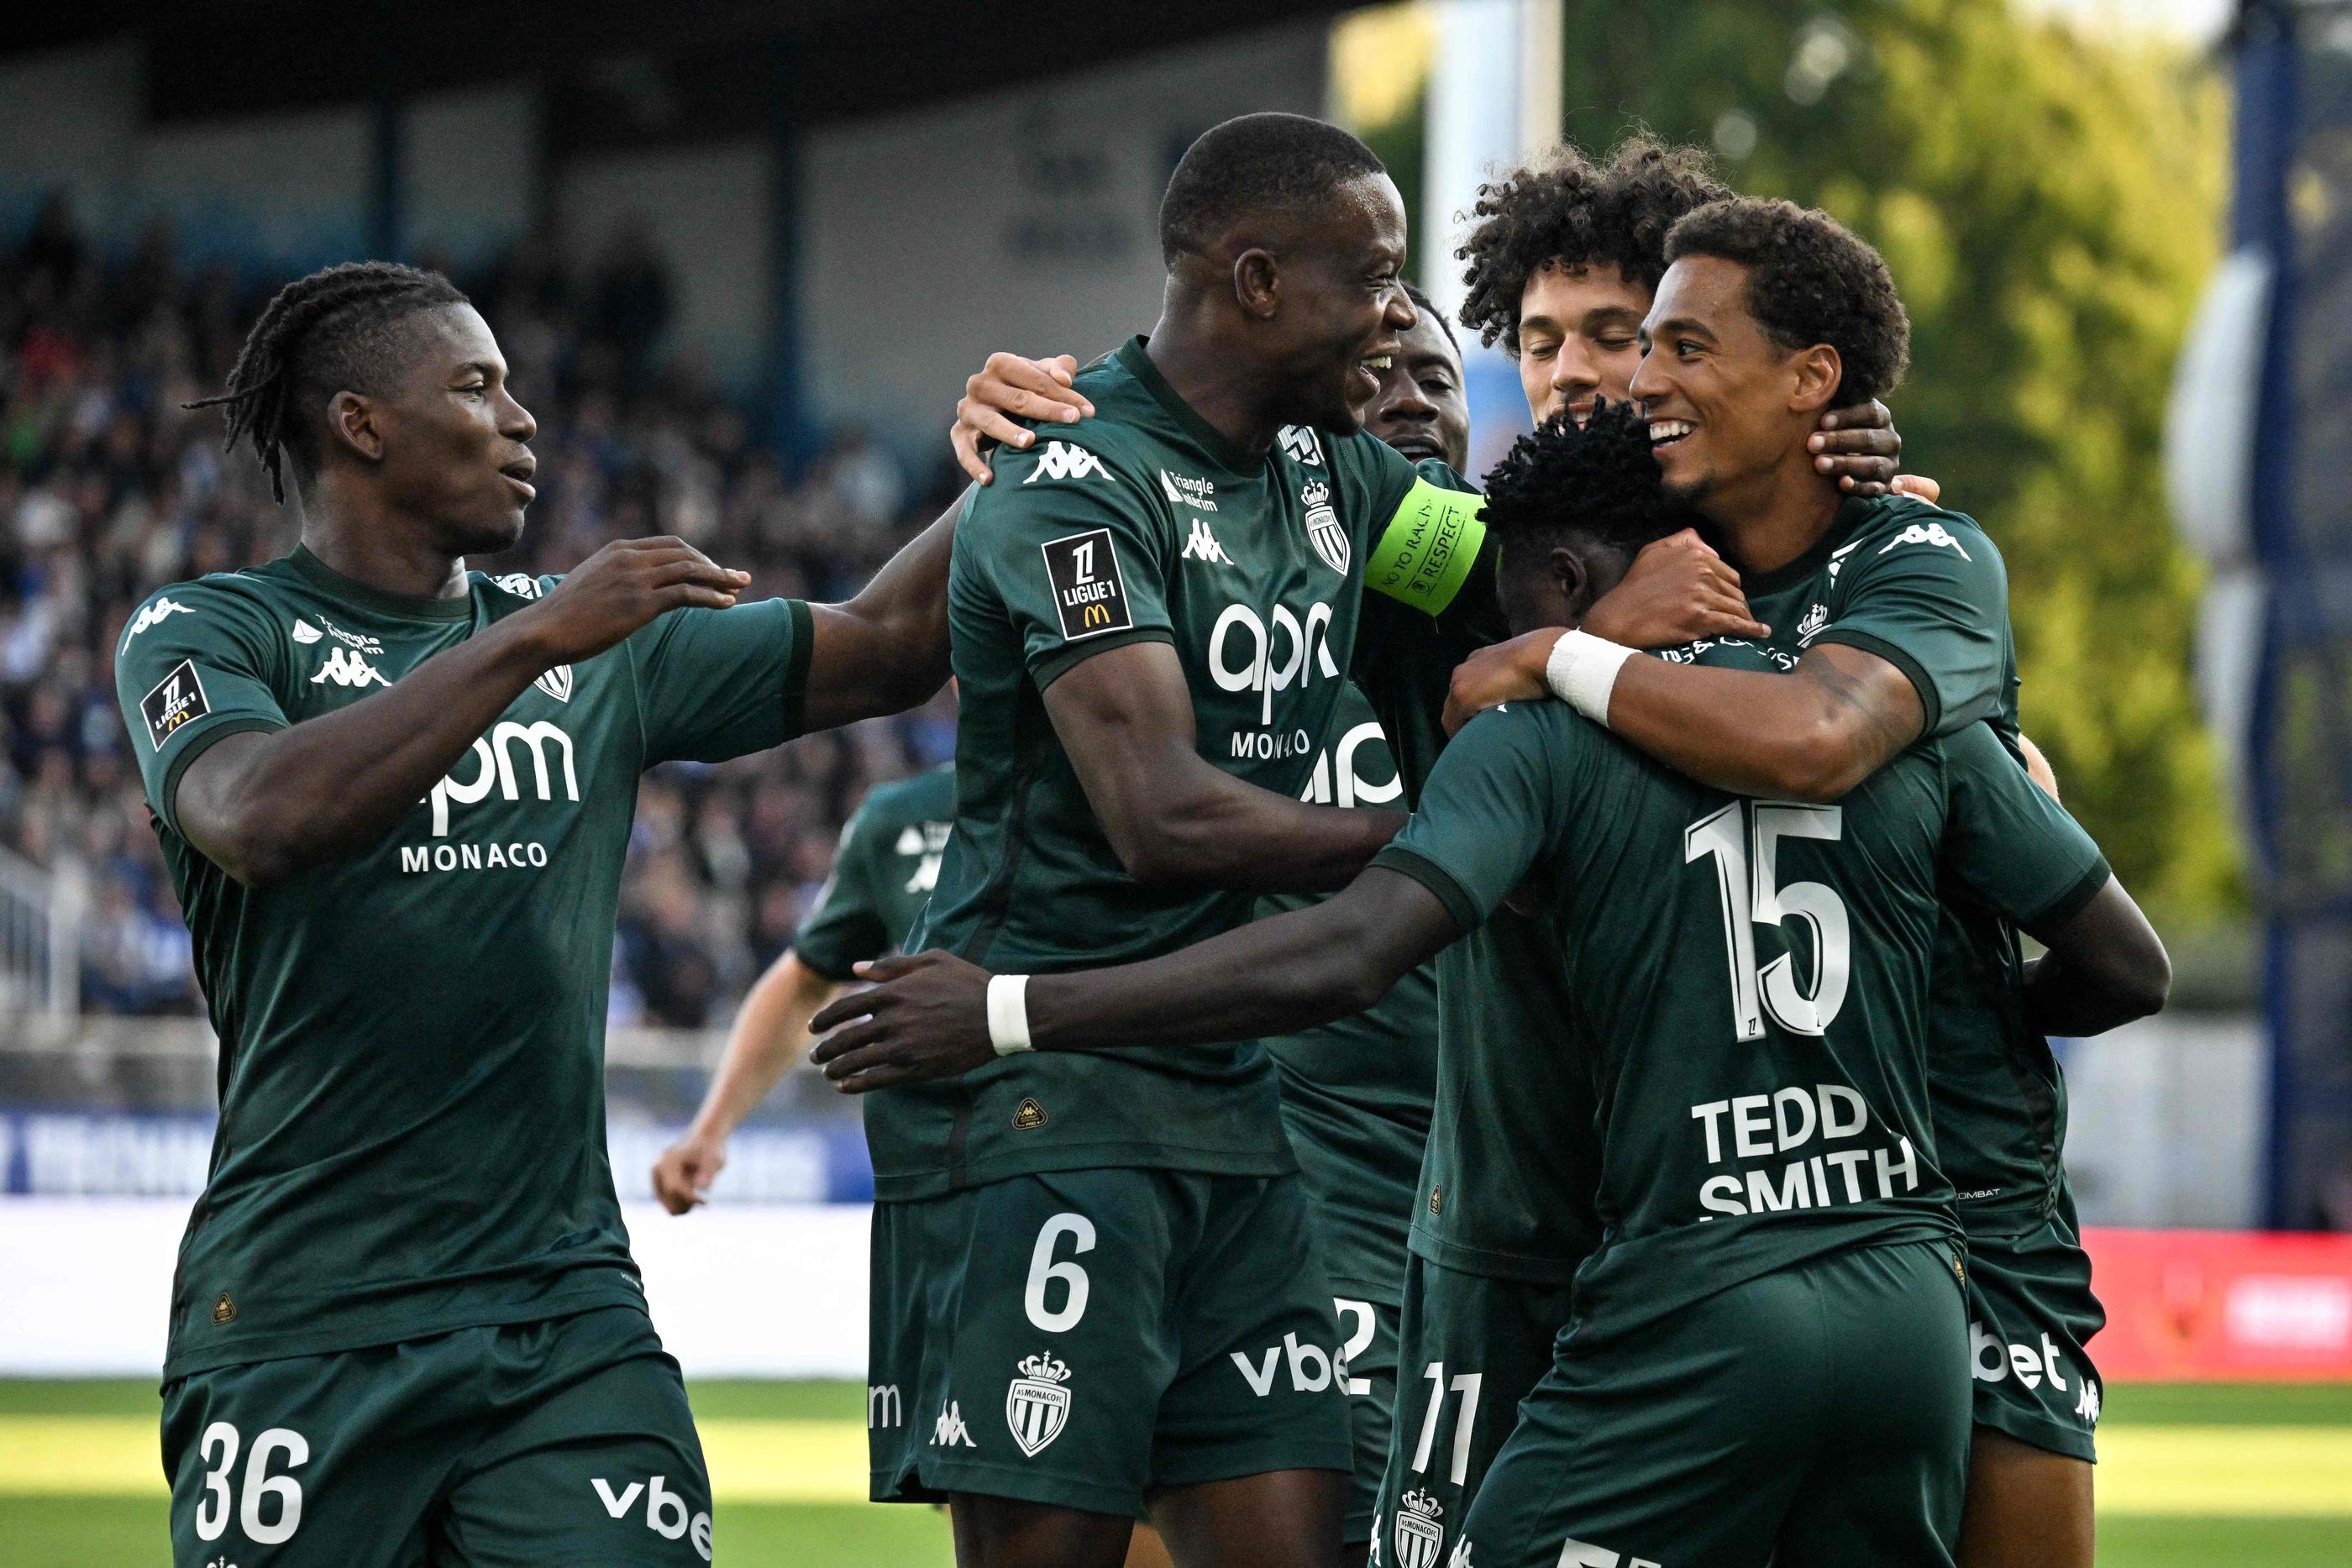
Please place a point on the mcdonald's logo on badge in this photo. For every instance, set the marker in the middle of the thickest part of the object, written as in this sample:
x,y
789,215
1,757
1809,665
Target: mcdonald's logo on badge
x,y
1036,1405
1089,593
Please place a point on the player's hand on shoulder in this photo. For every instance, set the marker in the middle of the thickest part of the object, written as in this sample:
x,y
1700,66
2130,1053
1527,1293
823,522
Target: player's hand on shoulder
x,y
1858,447
622,587
1510,672
1010,387
1918,486
687,1169
1677,590
926,1017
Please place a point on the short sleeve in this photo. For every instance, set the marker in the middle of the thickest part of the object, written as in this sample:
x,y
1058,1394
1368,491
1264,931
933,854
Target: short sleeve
x,y
1490,810
1074,551
1931,599
716,684
195,666
2009,842
844,927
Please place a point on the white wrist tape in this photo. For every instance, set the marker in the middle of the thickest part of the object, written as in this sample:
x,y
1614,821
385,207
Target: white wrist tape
x,y
1583,671
1008,1013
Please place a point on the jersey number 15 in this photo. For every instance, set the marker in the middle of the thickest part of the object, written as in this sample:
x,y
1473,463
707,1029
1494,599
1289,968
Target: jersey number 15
x,y
1749,883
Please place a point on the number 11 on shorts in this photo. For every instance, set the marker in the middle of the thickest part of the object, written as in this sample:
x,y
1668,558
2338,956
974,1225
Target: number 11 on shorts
x,y
1466,1384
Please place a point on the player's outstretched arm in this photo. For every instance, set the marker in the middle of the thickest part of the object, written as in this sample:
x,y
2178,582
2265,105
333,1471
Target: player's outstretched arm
x,y
1810,734
929,1017
885,650
1125,717
773,1029
2106,966
263,805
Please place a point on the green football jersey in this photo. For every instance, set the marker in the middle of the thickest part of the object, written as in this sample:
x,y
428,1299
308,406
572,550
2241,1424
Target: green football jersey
x,y
1355,1094
1142,523
1925,589
1512,1160
1752,978
883,873
412,1126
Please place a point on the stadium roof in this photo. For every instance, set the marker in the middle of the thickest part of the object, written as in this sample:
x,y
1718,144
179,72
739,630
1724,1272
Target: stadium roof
x,y
688,70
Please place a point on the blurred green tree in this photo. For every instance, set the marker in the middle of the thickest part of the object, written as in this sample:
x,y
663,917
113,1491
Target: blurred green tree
x,y
2050,202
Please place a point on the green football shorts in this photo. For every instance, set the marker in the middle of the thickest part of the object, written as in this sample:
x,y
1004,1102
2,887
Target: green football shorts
x,y
2030,1315
1083,1338
1469,1348
1368,1347
1818,1415
566,1440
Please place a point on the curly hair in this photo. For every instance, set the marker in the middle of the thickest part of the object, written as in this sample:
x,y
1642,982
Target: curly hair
x,y
1596,480
1810,280
320,335
1569,212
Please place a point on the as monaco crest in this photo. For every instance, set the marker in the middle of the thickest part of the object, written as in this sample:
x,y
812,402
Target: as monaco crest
x,y
1323,527
1036,1405
556,683
1419,1537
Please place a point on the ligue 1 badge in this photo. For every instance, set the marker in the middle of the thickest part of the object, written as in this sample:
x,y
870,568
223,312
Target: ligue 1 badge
x,y
1037,1405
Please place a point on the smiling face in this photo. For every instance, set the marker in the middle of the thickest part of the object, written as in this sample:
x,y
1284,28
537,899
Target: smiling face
x,y
452,441
1343,305
1421,408
1578,339
1727,404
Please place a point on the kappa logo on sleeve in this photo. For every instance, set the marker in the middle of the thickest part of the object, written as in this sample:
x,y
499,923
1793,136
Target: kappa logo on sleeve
x,y
1927,534
177,699
1060,460
1089,593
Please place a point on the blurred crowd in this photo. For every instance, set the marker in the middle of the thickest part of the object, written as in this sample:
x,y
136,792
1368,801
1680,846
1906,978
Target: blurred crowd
x,y
109,489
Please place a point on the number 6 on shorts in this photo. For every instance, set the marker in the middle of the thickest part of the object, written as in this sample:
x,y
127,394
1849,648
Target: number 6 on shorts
x,y
1043,1271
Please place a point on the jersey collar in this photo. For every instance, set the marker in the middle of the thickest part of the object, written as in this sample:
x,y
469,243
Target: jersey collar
x,y
1854,514
359,595
1207,436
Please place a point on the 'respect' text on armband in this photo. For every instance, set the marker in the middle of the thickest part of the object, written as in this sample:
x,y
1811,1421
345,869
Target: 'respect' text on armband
x,y
1425,553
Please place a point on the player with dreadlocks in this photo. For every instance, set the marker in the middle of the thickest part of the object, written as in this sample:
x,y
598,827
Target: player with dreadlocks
x,y
394,797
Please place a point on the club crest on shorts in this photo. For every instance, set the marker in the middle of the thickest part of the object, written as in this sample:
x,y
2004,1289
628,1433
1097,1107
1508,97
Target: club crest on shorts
x,y
1419,1537
1037,1405
1323,528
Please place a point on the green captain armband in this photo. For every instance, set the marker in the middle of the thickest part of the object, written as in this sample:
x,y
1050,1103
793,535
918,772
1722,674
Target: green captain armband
x,y
1425,553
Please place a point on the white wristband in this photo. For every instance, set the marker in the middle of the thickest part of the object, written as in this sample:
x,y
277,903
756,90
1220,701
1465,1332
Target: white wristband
x,y
1008,1013
1583,671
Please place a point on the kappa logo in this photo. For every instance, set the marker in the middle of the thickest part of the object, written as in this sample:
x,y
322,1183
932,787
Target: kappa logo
x,y
1200,494
1060,460
1323,527
949,1431
1204,545
1037,1405
345,668
1028,1115
923,843
2087,1407
1301,444
153,615
1419,1537
1926,534
1461,1558
1810,627
224,1310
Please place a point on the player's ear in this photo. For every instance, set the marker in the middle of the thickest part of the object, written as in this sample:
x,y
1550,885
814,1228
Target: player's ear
x,y
1569,578
354,423
1257,284
1817,372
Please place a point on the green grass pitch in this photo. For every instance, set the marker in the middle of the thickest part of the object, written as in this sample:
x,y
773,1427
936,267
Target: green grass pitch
x,y
101,1529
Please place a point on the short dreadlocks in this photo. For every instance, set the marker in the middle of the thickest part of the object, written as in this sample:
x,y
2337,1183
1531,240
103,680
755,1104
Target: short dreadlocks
x,y
326,333
1596,481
